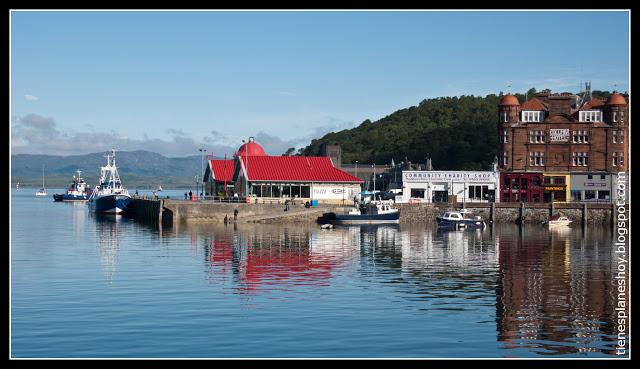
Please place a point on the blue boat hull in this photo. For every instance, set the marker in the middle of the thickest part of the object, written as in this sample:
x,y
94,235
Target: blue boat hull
x,y
110,204
68,197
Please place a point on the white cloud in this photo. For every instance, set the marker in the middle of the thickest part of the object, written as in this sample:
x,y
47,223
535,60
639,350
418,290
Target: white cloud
x,y
31,97
35,134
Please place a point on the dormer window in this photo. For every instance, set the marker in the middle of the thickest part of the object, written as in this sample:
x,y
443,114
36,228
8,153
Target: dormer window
x,y
615,116
532,116
505,117
590,116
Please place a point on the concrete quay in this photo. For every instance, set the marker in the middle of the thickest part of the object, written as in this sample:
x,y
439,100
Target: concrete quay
x,y
167,212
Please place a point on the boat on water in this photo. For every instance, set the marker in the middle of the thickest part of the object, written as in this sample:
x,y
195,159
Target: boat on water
x,y
374,212
43,190
78,190
110,197
558,220
457,219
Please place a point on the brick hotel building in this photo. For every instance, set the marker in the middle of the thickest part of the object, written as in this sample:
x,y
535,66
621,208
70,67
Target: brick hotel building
x,y
553,138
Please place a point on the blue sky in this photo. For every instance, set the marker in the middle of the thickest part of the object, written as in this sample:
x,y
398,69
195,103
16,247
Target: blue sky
x,y
173,82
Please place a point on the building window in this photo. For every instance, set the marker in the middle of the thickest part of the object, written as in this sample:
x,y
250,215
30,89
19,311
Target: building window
x,y
576,195
580,159
604,195
580,136
532,116
618,136
505,117
589,194
536,159
602,176
617,159
590,116
505,136
615,116
505,159
536,136
417,193
590,176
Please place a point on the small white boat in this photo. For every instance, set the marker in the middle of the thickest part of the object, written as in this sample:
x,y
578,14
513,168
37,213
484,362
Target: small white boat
x,y
43,191
558,220
457,219
327,226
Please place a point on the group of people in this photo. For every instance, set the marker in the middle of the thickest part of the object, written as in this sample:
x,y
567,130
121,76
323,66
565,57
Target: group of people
x,y
235,217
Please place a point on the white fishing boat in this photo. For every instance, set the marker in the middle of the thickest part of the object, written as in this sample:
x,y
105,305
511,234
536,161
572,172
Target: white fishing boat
x,y
110,196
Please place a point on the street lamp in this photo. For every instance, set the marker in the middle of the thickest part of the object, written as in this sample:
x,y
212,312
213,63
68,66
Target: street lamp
x,y
202,153
246,163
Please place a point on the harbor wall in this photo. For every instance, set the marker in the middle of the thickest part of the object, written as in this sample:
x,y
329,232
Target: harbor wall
x,y
167,212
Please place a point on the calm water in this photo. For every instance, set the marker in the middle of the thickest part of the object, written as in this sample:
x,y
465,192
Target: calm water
x,y
88,286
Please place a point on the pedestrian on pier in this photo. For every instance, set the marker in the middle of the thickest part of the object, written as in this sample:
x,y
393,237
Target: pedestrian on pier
x,y
185,195
190,195
226,219
235,214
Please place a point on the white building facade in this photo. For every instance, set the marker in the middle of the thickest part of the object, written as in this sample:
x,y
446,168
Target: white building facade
x,y
441,186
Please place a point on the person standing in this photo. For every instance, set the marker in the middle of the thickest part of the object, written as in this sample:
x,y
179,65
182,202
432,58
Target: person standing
x,y
185,195
235,214
190,195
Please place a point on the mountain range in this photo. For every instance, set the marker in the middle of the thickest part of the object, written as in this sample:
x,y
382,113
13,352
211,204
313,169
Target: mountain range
x,y
136,168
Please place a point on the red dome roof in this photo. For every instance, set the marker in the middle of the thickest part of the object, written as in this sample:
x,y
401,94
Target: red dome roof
x,y
509,100
616,99
251,149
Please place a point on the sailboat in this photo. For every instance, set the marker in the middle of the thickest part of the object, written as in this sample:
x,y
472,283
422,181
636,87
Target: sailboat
x,y
43,191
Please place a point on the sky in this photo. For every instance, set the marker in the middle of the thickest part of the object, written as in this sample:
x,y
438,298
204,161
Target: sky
x,y
174,82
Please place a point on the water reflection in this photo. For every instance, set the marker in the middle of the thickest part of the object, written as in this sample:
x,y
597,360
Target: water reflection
x,y
545,292
109,232
554,293
277,259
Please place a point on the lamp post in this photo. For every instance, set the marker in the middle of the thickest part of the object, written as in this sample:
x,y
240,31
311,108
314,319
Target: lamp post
x,y
246,163
202,153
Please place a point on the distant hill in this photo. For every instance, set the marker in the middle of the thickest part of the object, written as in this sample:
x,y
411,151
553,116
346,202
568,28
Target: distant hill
x,y
136,168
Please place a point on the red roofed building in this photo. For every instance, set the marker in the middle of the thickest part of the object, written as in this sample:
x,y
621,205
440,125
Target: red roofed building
x,y
218,177
280,178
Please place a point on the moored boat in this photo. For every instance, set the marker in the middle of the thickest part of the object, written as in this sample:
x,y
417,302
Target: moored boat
x,y
110,197
78,190
456,219
43,190
558,220
375,212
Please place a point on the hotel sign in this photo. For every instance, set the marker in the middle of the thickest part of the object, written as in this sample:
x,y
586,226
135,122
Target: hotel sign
x,y
430,176
558,135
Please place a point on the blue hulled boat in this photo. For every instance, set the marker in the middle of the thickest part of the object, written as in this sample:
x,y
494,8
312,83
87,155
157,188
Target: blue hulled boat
x,y
110,197
77,191
375,212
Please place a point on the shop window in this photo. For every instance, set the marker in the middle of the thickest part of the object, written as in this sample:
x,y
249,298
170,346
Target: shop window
x,y
589,195
602,176
604,195
536,181
417,193
305,191
576,195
